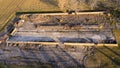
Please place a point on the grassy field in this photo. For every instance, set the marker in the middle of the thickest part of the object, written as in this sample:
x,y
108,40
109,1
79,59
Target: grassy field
x,y
9,7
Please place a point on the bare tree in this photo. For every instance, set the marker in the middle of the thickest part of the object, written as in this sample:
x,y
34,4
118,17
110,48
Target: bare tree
x,y
83,5
68,4
87,4
73,5
93,4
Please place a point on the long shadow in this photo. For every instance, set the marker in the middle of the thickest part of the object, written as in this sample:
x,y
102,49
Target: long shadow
x,y
52,2
33,54
45,55
23,55
112,51
74,60
60,59
113,60
30,51
74,40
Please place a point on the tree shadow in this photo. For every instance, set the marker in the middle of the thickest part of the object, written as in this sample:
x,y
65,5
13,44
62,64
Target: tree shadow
x,y
60,59
50,59
73,59
24,55
34,61
52,2
112,59
55,58
46,54
112,51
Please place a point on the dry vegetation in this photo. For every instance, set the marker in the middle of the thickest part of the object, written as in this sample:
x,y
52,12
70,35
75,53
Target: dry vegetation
x,y
117,34
30,65
105,57
7,7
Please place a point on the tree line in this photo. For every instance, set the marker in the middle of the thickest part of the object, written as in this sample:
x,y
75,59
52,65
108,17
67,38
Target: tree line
x,y
78,5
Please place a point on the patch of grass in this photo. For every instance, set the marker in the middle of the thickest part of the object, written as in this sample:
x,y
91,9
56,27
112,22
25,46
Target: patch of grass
x,y
117,35
109,56
2,65
30,65
92,62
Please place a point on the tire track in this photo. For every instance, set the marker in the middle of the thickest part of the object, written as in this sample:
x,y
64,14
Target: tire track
x,y
10,4
5,17
6,7
10,7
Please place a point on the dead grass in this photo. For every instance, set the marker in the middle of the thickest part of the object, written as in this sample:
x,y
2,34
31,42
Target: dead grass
x,y
117,35
109,56
29,65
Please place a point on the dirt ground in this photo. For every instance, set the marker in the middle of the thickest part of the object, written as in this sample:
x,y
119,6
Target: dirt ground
x,y
55,55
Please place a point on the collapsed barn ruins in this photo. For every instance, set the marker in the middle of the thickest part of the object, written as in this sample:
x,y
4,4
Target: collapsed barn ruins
x,y
81,29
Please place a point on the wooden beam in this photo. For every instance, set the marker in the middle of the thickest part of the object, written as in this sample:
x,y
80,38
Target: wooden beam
x,y
107,44
79,44
44,43
78,13
88,44
66,43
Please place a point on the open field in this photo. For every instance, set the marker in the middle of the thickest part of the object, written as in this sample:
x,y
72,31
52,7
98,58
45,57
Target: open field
x,y
9,7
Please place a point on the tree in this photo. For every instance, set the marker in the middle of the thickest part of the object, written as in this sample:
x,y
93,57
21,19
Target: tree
x,y
93,4
77,5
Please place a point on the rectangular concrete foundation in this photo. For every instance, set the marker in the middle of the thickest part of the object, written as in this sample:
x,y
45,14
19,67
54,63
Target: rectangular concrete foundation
x,y
63,29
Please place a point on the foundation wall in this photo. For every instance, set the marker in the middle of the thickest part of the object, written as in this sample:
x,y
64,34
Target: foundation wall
x,y
79,44
57,43
107,44
66,44
13,32
78,13
44,43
